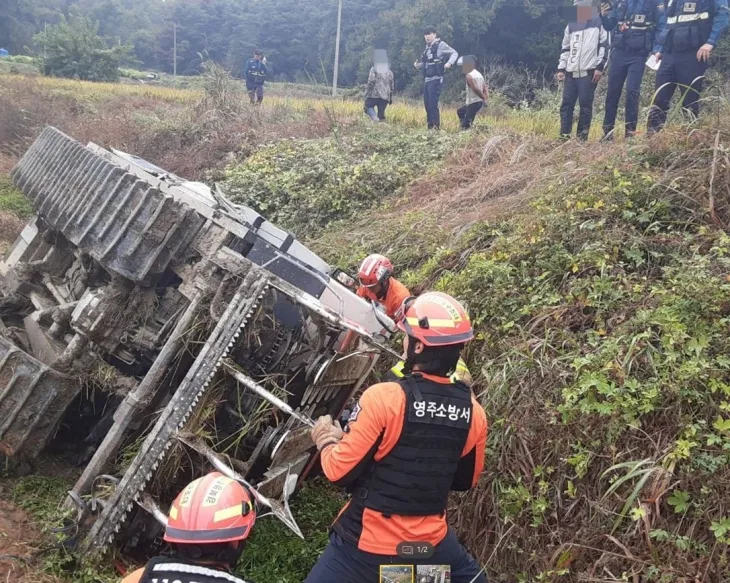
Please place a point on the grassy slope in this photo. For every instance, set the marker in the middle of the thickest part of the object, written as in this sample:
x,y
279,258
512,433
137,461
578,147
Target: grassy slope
x,y
602,311
597,280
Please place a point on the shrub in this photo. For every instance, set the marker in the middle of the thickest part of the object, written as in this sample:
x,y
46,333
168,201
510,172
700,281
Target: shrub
x,y
307,184
74,49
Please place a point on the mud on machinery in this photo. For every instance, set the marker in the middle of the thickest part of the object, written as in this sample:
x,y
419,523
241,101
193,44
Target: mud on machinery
x,y
146,320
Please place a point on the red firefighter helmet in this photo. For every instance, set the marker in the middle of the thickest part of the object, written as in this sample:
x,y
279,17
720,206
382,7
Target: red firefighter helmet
x,y
374,269
212,509
436,319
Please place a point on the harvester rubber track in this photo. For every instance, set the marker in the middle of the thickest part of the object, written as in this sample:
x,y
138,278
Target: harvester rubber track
x,y
173,417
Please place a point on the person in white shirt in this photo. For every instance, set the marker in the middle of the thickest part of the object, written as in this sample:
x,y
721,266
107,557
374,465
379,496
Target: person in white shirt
x,y
476,91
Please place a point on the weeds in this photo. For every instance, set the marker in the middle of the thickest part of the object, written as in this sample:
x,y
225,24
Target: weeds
x,y
597,279
276,554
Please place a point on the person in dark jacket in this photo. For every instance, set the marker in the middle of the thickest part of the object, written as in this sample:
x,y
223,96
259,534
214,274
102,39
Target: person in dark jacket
x,y
689,37
256,71
634,25
437,58
582,59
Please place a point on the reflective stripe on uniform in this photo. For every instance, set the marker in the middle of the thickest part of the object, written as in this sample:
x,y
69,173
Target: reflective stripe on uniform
x,y
397,370
462,372
688,18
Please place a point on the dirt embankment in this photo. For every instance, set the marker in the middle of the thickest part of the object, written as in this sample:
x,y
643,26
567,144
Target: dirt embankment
x,y
20,540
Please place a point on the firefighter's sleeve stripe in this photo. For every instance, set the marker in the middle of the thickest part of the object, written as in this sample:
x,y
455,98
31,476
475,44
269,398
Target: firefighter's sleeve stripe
x,y
227,513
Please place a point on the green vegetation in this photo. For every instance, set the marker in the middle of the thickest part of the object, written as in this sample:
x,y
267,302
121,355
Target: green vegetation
x,y
298,37
597,277
41,497
12,200
601,310
74,49
306,184
276,554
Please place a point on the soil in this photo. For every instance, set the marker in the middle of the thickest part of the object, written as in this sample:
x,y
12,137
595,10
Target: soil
x,y
20,539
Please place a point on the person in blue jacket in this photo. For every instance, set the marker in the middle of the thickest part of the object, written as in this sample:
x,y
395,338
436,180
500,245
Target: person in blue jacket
x,y
634,26
692,31
255,71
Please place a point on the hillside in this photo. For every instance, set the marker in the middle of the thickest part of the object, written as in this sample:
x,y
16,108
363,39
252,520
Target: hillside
x,y
597,276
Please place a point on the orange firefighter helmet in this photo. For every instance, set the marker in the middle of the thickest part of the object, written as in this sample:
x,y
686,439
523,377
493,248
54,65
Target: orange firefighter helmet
x,y
212,509
436,319
374,269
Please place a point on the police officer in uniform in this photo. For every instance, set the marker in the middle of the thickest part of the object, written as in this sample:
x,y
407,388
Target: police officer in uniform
x,y
437,58
425,424
633,25
255,76
689,37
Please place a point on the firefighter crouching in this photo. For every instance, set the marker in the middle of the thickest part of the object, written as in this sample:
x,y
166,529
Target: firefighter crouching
x,y
377,284
408,444
208,525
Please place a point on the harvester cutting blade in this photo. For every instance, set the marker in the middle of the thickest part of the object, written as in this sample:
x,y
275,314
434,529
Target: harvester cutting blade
x,y
279,508
175,414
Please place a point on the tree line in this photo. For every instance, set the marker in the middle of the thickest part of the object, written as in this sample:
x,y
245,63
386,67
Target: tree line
x,y
298,36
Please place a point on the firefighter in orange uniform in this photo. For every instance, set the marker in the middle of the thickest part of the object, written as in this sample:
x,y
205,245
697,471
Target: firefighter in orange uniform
x,y
208,525
408,444
378,286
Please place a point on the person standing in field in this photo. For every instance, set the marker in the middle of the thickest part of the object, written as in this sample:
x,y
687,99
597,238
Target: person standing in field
x,y
633,25
255,76
582,59
380,87
437,58
690,35
476,91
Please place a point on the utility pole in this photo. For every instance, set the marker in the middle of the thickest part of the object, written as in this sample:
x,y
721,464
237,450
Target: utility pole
x,y
337,49
174,49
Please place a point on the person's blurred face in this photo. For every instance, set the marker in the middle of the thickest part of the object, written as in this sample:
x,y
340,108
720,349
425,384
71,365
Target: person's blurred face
x,y
468,65
430,37
585,13
380,61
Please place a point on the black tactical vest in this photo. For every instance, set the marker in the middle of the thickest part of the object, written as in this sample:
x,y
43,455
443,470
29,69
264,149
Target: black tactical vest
x,y
169,570
415,478
640,28
689,24
433,66
256,74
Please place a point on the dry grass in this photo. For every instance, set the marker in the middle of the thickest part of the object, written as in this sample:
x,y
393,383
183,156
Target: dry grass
x,y
407,113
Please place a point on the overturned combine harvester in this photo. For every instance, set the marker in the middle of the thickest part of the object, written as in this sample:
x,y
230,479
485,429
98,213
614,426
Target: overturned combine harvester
x,y
146,319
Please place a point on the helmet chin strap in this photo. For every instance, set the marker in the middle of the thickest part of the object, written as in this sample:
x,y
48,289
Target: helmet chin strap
x,y
428,360
383,289
425,360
